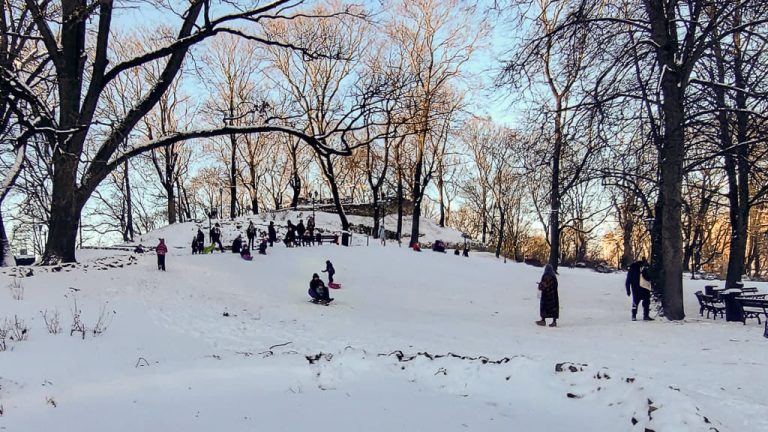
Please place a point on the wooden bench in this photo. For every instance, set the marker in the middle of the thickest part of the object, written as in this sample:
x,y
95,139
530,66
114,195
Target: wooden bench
x,y
752,308
328,238
711,304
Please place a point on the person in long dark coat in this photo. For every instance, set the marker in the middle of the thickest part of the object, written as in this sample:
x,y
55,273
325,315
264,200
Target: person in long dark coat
x,y
549,306
251,233
200,240
271,234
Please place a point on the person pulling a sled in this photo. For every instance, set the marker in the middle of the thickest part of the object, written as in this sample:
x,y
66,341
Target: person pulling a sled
x,y
330,270
318,290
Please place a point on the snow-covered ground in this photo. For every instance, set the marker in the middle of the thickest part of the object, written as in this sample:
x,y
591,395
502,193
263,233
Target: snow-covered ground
x,y
413,341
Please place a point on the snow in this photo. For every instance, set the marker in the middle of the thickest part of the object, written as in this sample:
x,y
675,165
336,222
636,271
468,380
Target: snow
x,y
413,341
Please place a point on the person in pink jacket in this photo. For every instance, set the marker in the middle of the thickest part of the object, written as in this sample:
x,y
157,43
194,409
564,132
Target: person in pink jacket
x,y
161,250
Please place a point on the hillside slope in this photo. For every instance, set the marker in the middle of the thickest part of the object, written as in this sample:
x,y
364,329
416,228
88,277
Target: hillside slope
x,y
220,343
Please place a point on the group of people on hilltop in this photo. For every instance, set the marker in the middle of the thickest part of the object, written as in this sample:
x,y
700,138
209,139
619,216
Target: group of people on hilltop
x,y
300,235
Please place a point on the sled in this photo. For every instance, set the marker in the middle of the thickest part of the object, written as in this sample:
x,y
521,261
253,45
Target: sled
x,y
320,302
334,285
247,257
208,249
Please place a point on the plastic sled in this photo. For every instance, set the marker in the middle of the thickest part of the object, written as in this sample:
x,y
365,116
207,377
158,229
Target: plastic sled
x,y
334,285
247,257
208,249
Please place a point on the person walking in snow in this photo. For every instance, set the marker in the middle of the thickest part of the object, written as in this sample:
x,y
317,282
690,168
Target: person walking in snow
x,y
271,233
330,270
318,291
549,305
161,249
639,286
251,233
195,250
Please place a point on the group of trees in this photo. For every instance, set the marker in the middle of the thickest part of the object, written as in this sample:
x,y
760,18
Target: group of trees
x,y
638,129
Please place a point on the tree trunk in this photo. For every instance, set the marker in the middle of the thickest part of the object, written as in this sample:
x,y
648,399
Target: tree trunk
x,y
5,247
554,215
672,157
416,197
484,194
376,212
400,193
169,187
65,211
500,239
233,175
629,254
417,192
441,191
129,232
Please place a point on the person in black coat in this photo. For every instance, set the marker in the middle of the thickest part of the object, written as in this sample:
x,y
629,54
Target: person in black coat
x,y
549,304
300,233
251,233
237,244
200,240
216,237
330,270
195,250
318,291
271,234
639,287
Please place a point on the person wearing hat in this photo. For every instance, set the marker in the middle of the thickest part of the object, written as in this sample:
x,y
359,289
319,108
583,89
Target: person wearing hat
x,y
161,249
639,286
318,290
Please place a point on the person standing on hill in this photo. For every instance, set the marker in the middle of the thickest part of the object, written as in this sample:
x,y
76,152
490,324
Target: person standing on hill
x,y
216,236
200,240
382,234
271,233
300,233
549,305
250,232
639,286
330,270
311,229
161,249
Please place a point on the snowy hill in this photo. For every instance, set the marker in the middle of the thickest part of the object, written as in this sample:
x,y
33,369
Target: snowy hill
x,y
180,235
413,341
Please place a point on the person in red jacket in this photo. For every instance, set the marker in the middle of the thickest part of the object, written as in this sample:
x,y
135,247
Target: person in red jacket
x,y
161,250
